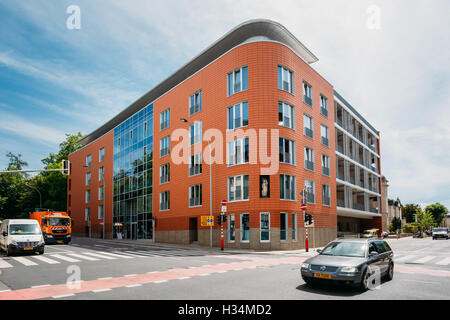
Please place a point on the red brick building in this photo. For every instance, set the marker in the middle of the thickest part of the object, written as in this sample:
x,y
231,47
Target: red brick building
x,y
258,79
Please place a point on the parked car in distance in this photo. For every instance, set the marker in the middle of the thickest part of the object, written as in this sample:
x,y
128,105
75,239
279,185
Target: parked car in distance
x,y
441,233
385,234
21,235
371,233
350,261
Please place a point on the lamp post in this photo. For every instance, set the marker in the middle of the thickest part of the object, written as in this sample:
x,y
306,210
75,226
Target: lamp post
x,y
210,185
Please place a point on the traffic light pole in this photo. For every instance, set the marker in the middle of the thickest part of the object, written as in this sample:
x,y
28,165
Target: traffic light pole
x,y
221,231
306,237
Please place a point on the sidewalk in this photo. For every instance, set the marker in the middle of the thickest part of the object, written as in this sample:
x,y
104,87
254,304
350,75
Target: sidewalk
x,y
213,250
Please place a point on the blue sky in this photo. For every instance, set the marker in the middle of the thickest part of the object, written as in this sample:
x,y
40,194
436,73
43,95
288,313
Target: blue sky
x,y
55,81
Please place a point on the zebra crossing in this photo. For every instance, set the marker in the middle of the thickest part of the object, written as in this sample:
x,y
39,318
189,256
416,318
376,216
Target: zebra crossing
x,y
93,256
420,259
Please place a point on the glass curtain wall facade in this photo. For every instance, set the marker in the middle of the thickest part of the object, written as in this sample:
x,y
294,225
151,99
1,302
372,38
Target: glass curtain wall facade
x,y
133,177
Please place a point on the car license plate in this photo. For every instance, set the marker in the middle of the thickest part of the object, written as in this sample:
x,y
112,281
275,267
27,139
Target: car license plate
x,y
60,241
322,275
27,248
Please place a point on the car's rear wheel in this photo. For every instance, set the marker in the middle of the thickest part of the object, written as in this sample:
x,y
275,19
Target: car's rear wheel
x,y
390,272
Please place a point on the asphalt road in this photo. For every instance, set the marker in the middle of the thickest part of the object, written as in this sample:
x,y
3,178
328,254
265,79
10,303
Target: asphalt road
x,y
118,270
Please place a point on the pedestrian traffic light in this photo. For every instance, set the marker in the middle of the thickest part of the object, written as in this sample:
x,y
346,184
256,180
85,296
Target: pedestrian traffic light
x,y
310,219
219,219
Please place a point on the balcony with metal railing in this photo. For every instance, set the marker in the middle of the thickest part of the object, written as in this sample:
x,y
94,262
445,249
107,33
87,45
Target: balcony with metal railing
x,y
324,111
307,100
326,171
325,141
194,170
309,132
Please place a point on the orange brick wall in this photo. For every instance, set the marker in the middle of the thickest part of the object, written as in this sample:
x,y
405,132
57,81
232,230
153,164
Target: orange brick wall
x,y
77,183
262,59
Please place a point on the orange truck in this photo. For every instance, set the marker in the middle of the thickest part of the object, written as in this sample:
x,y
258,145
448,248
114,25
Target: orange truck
x,y
55,226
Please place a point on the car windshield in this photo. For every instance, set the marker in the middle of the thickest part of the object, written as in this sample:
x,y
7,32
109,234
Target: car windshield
x,y
348,249
439,229
24,229
58,221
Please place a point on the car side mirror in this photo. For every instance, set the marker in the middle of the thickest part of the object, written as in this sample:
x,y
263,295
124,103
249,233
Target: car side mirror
x,y
5,233
373,254
319,250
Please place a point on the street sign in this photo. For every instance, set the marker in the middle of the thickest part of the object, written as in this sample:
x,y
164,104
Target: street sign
x,y
207,221
224,205
303,206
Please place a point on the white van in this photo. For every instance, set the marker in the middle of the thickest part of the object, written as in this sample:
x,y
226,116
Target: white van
x,y
21,235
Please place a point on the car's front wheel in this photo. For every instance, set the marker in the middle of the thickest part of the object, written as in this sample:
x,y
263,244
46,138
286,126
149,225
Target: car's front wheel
x,y
364,285
308,281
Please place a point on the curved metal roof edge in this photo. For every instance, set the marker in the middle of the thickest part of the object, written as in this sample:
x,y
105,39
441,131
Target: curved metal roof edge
x,y
239,34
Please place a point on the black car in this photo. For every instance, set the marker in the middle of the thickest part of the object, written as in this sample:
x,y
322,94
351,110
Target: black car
x,y
351,261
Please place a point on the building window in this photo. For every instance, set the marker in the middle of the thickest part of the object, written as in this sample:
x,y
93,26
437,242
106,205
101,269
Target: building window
x,y
164,146
87,214
231,228
324,135
87,196
310,191
101,193
195,164
326,195
101,173
195,103
164,120
325,165
286,116
195,132
88,161
308,125
238,116
283,226
100,212
238,188
237,81
287,151
195,195
288,187
164,200
245,227
88,178
307,94
285,79
324,106
264,225
238,151
101,155
164,173
309,159
294,227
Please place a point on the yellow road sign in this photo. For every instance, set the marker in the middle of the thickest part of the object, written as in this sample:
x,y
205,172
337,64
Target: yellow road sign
x,y
207,221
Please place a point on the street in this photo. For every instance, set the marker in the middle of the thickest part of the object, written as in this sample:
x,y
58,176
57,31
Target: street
x,y
126,270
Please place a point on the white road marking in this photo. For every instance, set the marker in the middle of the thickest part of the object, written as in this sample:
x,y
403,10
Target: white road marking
x,y
25,261
143,253
134,285
105,278
130,275
424,259
83,257
47,260
64,295
184,278
101,290
99,256
444,262
64,258
42,285
152,272
160,281
115,255
404,258
4,264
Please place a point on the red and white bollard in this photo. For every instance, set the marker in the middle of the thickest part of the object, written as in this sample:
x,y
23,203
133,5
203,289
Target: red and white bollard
x,y
306,240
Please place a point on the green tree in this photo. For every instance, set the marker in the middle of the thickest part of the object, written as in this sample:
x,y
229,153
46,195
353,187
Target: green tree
x,y
66,147
438,212
409,212
395,224
425,220
11,187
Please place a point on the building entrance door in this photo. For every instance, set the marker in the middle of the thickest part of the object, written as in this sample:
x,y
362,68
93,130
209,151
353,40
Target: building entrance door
x,y
193,232
130,231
